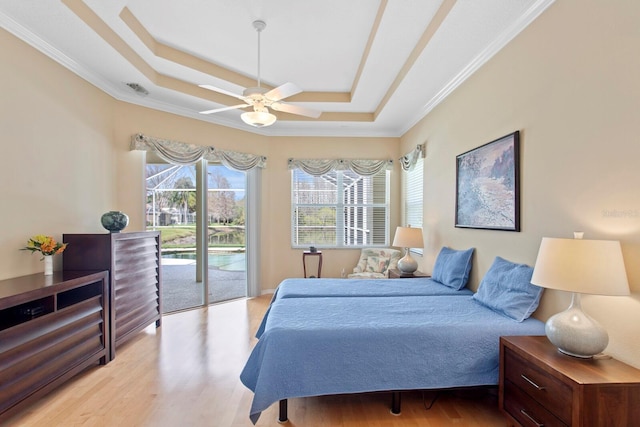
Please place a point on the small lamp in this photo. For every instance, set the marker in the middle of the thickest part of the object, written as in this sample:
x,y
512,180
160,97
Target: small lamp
x,y
581,267
407,237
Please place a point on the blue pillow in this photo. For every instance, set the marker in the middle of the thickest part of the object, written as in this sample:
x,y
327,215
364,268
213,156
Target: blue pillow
x,y
507,289
452,267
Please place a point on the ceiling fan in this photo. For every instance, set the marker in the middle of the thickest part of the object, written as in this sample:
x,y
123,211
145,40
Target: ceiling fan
x,y
261,99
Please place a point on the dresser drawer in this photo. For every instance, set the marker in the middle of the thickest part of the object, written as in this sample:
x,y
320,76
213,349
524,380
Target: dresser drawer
x,y
548,391
526,410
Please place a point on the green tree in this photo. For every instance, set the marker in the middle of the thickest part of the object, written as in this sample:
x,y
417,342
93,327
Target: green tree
x,y
185,200
240,215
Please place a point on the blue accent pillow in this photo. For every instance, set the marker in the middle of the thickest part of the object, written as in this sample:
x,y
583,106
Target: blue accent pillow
x,y
452,267
507,289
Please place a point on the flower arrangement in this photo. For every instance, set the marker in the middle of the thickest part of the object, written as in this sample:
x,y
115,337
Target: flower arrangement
x,y
46,245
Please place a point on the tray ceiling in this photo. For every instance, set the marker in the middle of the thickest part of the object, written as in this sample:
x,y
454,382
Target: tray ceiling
x,y
374,68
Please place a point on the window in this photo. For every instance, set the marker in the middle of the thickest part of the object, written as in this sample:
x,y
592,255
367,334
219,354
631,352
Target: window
x,y
339,209
412,189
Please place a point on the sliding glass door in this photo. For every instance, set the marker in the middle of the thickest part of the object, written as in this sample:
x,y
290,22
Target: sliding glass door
x,y
200,211
226,230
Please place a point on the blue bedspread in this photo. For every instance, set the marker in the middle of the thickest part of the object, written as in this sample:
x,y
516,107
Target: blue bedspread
x,y
316,288
320,346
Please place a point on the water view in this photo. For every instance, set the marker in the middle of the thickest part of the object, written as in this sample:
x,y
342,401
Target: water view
x,y
228,261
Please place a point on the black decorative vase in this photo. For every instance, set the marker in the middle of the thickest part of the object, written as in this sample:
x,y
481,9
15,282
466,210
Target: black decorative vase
x,y
115,221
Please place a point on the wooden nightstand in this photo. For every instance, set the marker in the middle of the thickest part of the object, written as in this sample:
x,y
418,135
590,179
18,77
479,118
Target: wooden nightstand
x,y
541,386
394,273
318,254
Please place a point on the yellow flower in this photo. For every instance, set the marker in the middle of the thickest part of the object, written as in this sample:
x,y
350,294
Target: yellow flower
x,y
46,245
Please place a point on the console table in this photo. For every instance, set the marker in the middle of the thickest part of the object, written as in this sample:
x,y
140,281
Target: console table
x,y
305,254
51,328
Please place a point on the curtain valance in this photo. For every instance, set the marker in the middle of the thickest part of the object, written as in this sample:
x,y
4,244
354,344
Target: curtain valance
x,y
181,153
319,167
409,160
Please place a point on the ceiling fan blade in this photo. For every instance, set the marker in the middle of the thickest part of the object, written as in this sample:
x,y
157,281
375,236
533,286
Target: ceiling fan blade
x,y
218,110
222,91
283,91
296,109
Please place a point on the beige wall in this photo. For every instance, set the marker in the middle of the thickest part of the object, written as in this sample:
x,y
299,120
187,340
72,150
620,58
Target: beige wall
x,y
569,83
57,164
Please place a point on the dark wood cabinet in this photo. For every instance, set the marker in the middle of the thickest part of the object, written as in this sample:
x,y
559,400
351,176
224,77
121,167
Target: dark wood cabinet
x,y
541,386
133,260
51,328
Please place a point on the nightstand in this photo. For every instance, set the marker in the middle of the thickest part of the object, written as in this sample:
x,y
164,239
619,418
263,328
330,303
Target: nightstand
x,y
318,254
541,386
394,273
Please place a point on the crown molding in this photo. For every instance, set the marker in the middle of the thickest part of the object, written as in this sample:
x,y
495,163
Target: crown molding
x,y
494,47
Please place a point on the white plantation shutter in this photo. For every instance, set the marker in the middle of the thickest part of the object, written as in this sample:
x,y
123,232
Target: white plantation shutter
x,y
413,192
339,209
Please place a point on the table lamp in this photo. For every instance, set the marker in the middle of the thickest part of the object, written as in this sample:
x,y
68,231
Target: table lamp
x,y
581,267
408,237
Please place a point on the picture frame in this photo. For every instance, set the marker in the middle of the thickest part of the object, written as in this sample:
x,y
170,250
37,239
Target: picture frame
x,y
488,185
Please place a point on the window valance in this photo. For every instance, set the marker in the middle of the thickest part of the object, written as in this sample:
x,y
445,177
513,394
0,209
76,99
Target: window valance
x,y
409,160
181,153
318,167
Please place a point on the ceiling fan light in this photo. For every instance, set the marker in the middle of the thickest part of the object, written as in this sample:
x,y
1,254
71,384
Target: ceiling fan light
x,y
258,118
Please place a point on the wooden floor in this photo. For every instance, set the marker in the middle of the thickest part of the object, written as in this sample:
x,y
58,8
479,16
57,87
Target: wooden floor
x,y
186,374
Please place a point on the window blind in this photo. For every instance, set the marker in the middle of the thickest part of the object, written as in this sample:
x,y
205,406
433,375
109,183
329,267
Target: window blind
x,y
413,192
339,209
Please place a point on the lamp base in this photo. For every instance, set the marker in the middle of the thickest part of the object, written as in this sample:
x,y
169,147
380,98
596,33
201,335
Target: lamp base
x,y
407,265
575,333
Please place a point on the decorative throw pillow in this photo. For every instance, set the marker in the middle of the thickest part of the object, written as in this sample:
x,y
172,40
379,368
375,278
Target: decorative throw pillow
x,y
377,264
452,267
507,289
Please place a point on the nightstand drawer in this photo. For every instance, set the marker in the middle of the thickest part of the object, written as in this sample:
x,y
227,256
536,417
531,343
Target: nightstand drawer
x,y
548,391
526,410
599,392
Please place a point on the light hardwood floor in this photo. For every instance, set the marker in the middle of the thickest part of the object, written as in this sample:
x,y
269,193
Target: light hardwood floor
x,y
186,374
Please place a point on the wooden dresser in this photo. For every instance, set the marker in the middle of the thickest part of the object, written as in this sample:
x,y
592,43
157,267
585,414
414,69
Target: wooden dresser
x,y
541,386
133,260
51,328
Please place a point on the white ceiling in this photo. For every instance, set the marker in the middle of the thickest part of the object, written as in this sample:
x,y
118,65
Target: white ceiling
x,y
374,68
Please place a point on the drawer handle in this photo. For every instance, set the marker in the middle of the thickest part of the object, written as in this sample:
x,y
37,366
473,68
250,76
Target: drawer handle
x,y
524,377
533,420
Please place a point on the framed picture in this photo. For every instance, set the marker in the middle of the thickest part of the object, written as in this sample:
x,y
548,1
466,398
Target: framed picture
x,y
488,185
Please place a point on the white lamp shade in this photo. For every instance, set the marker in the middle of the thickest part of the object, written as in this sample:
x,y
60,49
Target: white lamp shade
x,y
258,118
584,266
408,237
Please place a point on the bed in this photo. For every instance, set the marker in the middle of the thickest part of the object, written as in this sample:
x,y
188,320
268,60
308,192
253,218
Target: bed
x,y
321,345
319,288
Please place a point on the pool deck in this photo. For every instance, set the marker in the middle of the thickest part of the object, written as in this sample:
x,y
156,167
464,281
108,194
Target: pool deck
x,y
180,291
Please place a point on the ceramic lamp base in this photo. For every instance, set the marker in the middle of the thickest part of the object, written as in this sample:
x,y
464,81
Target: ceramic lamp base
x,y
575,333
407,265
